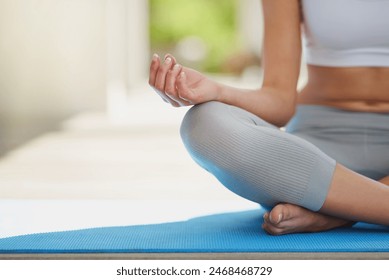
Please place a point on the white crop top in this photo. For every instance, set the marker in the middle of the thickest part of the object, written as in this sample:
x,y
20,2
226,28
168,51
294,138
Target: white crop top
x,y
346,32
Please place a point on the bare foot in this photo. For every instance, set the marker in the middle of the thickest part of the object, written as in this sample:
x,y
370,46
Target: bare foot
x,y
290,218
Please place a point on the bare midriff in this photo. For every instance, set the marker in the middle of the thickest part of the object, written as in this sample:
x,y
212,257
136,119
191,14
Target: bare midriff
x,y
364,89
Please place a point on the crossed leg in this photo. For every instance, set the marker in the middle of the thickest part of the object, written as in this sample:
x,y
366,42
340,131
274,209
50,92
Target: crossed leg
x,y
307,190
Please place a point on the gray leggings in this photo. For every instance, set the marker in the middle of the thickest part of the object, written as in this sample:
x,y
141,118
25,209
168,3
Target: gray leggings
x,y
259,162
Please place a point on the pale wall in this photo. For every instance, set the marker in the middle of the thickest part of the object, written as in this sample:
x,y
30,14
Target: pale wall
x,y
52,63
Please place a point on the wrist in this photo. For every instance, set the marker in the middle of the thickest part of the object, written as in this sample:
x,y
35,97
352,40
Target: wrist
x,y
220,92
225,94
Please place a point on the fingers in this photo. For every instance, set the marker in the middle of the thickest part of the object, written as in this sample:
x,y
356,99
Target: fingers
x,y
162,72
163,78
170,86
154,66
172,57
154,70
171,89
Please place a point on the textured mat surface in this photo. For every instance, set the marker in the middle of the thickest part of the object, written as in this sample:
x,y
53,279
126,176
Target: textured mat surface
x,y
230,232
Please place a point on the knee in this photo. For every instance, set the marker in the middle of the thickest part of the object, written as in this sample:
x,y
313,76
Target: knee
x,y
214,130
203,125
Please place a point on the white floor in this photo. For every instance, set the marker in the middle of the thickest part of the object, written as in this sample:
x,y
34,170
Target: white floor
x,y
101,172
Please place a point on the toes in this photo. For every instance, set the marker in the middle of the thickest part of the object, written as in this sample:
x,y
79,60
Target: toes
x,y
270,218
278,214
289,218
279,220
275,217
270,226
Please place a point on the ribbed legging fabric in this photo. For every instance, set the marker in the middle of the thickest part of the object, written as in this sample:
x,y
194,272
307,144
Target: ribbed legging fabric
x,y
255,159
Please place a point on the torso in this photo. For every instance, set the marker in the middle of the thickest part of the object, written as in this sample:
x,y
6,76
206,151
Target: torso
x,y
347,50
353,88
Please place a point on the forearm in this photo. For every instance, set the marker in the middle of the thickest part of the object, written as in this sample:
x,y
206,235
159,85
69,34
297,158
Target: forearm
x,y
269,104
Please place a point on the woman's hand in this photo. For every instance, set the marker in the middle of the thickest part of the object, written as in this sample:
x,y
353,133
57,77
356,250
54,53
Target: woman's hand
x,y
178,85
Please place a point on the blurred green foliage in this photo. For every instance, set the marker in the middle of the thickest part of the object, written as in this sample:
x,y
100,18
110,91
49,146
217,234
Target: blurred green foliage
x,y
213,21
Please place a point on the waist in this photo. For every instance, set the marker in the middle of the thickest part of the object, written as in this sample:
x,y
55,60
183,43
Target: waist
x,y
364,89
329,118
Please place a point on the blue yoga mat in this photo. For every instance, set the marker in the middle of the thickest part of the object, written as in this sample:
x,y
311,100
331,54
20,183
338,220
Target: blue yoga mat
x,y
230,232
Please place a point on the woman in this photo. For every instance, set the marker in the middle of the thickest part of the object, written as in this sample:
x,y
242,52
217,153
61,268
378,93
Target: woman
x,y
331,166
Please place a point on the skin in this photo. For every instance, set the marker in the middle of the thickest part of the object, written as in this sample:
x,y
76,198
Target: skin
x,y
352,197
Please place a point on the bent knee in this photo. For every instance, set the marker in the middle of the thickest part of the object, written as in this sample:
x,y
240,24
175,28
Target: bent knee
x,y
203,122
220,129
